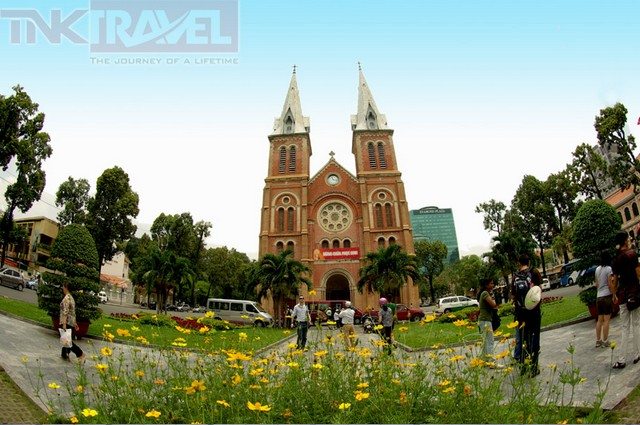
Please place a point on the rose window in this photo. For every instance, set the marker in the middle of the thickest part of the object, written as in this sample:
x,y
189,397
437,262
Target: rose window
x,y
334,217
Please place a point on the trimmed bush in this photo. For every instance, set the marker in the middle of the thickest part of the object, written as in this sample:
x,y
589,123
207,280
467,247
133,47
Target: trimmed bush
x,y
74,259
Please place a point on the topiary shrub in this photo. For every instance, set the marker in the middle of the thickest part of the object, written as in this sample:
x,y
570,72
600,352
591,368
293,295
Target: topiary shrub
x,y
74,259
594,228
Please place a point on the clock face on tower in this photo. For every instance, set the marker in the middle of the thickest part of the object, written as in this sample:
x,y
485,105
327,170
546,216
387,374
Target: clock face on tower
x,y
333,179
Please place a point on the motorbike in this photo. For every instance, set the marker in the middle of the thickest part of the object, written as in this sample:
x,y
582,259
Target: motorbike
x,y
367,323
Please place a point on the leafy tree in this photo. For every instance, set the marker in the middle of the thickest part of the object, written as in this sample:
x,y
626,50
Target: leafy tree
x,y
73,196
532,204
281,276
588,171
164,271
594,228
507,248
562,193
22,140
387,270
430,257
494,212
74,259
110,212
463,275
175,233
225,270
624,168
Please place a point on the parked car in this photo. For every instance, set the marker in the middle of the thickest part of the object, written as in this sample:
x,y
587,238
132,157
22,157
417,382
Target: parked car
x,y
12,278
102,297
453,303
170,307
199,309
183,307
546,285
32,284
409,313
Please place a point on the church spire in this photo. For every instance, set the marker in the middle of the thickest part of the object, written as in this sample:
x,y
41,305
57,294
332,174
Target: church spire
x,y
368,116
291,120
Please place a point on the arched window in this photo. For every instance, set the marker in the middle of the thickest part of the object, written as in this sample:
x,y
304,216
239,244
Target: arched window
x,y
292,158
290,219
346,243
627,214
280,220
279,247
381,159
634,208
291,247
372,156
380,242
378,215
392,240
388,213
336,243
325,244
282,160
288,125
620,215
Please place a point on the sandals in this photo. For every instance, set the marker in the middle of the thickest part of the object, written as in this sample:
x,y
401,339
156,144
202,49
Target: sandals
x,y
619,365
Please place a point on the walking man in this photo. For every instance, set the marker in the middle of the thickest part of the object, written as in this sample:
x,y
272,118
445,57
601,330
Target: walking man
x,y
347,316
530,319
301,316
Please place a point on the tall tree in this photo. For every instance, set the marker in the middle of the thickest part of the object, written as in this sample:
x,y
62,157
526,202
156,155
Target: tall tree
x,y
225,271
73,196
610,126
464,275
562,193
594,229
507,248
588,171
281,276
110,212
165,271
387,270
493,215
430,256
532,203
23,141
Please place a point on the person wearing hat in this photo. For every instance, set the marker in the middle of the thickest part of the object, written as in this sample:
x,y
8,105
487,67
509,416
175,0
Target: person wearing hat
x,y
625,284
302,317
530,318
347,316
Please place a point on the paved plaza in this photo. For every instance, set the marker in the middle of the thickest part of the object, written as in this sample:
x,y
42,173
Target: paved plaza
x,y
39,345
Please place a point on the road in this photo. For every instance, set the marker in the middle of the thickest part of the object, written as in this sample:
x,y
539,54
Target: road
x,y
114,306
558,292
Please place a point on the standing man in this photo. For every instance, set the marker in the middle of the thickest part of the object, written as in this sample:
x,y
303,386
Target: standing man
x,y
301,316
347,316
528,332
625,283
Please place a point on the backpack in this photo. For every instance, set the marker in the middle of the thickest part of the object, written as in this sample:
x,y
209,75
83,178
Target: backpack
x,y
521,285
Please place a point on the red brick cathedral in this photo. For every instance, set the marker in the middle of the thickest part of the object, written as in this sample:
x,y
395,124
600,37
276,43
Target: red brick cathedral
x,y
332,219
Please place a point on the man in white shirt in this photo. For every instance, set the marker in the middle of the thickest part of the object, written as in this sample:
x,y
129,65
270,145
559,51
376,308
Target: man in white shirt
x,y
347,316
301,316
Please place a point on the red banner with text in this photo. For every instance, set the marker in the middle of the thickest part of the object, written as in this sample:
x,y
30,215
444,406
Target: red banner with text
x,y
336,254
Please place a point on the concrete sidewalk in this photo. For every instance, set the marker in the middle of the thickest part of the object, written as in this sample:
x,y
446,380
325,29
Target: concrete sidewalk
x,y
39,347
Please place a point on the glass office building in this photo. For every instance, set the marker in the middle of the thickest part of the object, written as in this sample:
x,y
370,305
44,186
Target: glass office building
x,y
436,224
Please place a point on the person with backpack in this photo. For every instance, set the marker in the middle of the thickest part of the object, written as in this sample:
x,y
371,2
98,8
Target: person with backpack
x,y
625,270
487,305
529,320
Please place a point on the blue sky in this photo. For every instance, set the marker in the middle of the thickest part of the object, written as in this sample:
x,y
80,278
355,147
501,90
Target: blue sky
x,y
479,93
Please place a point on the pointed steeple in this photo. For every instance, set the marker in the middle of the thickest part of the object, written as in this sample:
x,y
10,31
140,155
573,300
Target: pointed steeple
x,y
291,120
368,116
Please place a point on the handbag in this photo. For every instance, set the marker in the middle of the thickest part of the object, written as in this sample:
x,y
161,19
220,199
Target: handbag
x,y
633,301
495,319
65,337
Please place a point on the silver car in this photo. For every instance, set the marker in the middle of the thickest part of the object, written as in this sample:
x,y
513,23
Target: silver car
x,y
11,278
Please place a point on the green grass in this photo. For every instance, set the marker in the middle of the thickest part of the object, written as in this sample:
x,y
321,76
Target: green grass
x,y
421,335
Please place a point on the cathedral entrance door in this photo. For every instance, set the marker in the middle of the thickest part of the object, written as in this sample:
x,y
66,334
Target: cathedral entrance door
x,y
338,288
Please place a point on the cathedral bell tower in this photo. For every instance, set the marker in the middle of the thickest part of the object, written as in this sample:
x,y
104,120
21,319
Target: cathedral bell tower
x,y
284,201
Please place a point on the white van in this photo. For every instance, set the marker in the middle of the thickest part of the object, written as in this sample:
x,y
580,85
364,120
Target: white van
x,y
242,312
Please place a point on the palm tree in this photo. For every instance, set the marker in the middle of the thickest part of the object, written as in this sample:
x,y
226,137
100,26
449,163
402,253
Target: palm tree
x,y
281,275
387,270
165,270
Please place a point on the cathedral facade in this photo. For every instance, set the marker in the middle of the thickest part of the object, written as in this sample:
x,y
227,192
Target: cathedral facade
x,y
332,219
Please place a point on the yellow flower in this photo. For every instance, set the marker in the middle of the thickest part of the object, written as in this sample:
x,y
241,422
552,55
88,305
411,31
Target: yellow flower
x,y
460,322
24,359
204,330
139,373
79,389
286,332
312,292
344,406
189,390
396,381
89,412
244,316
377,327
159,381
429,318
363,385
613,345
563,422
123,332
106,325
444,383
293,365
102,367
153,413
257,407
223,403
403,397
106,351
242,336
198,385
476,362
317,366
456,358
73,420
451,316
467,390
209,314
135,328
502,354
292,346
320,353
513,325
403,328
361,396
497,333
236,379
53,385
256,372
448,390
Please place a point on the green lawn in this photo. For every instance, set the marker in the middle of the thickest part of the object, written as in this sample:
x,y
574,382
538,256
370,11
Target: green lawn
x,y
421,335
